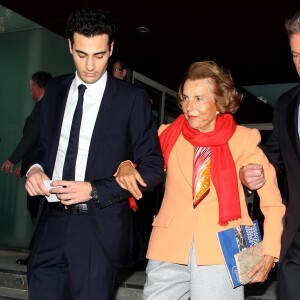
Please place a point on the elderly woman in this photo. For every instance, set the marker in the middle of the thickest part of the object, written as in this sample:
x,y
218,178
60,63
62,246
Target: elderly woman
x,y
203,150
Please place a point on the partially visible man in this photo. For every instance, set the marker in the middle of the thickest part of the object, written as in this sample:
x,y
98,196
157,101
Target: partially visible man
x,y
29,145
117,67
283,150
85,237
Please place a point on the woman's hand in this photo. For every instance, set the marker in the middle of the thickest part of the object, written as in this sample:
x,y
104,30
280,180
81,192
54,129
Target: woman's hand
x,y
261,271
129,178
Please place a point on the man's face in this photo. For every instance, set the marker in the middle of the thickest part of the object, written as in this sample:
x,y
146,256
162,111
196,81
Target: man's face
x,y
90,56
33,90
118,71
295,50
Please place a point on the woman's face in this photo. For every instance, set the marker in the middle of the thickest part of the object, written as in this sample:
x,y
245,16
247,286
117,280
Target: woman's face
x,y
198,104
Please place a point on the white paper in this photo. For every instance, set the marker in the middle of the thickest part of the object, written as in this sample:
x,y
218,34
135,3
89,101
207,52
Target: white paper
x,y
52,197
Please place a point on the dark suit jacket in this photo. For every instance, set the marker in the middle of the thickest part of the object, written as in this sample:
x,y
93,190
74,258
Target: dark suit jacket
x,y
29,145
124,129
283,150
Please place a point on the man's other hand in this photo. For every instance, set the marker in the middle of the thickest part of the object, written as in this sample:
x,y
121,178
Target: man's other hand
x,y
252,176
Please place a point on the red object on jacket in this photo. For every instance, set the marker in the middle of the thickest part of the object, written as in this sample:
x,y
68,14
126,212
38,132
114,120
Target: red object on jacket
x,y
132,204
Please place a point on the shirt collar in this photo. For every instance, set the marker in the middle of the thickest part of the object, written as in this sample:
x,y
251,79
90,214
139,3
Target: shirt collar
x,y
92,86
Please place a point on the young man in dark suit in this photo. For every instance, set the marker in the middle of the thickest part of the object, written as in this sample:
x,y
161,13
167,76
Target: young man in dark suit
x,y
283,150
29,145
84,238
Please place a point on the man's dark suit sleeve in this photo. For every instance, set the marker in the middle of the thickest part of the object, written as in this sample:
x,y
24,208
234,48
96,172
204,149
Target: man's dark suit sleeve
x,y
30,136
146,153
272,148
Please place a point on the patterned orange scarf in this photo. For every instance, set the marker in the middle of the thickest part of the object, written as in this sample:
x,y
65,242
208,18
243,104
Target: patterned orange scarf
x,y
223,172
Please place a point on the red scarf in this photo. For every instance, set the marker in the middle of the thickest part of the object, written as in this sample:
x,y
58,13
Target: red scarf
x,y
223,172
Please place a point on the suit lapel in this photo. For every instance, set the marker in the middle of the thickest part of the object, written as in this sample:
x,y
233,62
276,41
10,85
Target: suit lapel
x,y
102,121
60,105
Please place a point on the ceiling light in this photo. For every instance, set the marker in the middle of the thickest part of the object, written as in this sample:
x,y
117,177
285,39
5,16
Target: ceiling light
x,y
143,29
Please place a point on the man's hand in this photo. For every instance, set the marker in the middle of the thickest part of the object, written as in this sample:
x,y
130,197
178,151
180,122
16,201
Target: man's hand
x,y
71,192
252,176
260,272
7,166
17,172
34,184
129,178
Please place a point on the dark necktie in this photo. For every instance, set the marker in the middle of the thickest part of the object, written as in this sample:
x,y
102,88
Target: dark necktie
x,y
72,150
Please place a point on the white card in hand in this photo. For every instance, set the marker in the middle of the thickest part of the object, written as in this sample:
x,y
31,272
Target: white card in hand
x,y
52,197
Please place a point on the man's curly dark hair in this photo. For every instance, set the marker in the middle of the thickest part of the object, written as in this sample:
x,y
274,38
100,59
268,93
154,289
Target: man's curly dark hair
x,y
91,22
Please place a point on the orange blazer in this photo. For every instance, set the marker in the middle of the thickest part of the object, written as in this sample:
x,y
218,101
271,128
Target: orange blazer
x,y
178,224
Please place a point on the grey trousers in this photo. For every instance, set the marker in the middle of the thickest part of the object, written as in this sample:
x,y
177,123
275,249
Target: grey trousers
x,y
169,281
